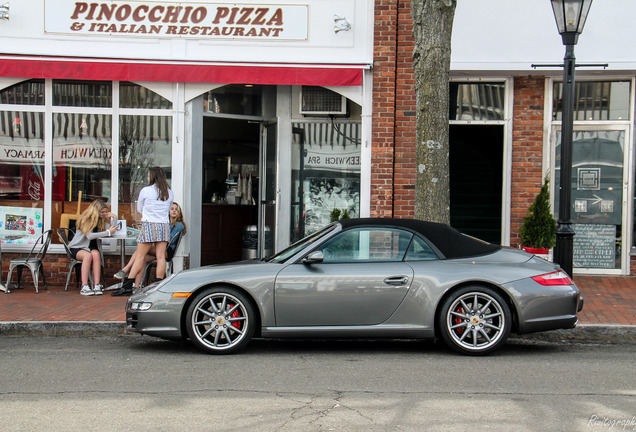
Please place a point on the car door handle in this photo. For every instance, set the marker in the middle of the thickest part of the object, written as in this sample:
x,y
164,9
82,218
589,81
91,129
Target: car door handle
x,y
396,280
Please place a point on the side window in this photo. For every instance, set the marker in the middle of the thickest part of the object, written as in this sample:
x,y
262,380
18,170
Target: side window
x,y
367,245
420,251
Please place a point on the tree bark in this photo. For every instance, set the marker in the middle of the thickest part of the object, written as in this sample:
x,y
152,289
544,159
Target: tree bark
x,y
432,30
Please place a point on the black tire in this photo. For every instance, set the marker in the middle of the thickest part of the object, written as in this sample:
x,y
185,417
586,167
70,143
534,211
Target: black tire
x,y
474,331
221,320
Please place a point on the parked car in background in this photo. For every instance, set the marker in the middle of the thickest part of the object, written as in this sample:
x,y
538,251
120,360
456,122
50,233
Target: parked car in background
x,y
364,278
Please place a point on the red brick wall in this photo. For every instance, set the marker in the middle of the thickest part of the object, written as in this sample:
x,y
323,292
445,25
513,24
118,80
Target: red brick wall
x,y
393,135
527,148
56,269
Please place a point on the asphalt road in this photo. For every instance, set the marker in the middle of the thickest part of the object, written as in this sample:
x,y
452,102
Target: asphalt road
x,y
129,382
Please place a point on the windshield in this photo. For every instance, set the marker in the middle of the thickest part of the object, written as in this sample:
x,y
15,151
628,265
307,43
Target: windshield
x,y
292,250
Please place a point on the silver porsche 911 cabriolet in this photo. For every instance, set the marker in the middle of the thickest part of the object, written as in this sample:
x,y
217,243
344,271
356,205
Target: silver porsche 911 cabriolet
x,y
364,278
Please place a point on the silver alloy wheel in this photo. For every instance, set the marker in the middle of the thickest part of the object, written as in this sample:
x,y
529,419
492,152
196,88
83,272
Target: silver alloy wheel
x,y
476,321
220,322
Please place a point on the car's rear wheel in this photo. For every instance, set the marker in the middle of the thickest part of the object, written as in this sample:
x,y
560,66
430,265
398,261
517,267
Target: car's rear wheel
x,y
475,320
220,320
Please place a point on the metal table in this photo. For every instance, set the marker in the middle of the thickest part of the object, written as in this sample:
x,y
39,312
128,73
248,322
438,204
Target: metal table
x,y
122,248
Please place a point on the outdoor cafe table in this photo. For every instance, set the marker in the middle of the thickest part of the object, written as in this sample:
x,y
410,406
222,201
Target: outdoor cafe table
x,y
122,248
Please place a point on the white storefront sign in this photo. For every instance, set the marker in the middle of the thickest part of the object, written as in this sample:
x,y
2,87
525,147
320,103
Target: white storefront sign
x,y
177,19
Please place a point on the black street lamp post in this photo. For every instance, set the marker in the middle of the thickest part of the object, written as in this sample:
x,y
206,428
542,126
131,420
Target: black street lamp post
x,y
570,17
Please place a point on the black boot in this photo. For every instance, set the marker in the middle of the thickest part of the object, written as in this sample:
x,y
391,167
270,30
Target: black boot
x,y
125,289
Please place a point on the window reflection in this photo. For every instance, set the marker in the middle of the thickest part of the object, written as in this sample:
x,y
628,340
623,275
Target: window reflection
x,y
24,93
82,93
325,174
481,101
82,151
235,99
144,142
135,96
21,175
595,100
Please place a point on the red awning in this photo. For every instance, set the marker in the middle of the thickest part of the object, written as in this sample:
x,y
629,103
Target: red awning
x,y
235,73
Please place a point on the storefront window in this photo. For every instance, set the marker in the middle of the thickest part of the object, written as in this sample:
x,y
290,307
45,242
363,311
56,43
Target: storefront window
x,y
144,142
97,94
82,152
325,174
597,196
21,174
235,99
595,100
135,96
477,101
24,93
81,119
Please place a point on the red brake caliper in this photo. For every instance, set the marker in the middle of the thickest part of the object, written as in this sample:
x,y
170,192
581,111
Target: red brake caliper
x,y
458,320
236,314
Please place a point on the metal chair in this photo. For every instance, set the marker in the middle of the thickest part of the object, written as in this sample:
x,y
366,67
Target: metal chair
x,y
33,261
66,235
148,269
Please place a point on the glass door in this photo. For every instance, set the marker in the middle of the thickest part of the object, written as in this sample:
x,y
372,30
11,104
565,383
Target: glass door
x,y
598,197
268,188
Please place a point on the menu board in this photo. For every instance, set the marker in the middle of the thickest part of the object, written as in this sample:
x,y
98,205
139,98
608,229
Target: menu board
x,y
594,246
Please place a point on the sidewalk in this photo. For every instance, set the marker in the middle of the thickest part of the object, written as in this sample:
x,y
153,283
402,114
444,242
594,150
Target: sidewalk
x,y
609,301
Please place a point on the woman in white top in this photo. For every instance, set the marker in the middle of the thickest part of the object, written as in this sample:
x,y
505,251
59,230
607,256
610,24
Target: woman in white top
x,y
154,204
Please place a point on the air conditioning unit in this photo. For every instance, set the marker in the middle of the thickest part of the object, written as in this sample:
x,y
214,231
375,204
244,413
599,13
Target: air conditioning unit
x,y
321,101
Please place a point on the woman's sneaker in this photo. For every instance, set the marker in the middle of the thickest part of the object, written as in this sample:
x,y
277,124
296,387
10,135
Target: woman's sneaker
x,y
86,290
98,289
121,274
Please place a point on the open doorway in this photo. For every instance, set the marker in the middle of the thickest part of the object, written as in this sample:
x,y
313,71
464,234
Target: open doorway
x,y
230,180
476,180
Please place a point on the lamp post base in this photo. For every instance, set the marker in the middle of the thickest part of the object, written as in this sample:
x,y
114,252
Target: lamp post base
x,y
564,249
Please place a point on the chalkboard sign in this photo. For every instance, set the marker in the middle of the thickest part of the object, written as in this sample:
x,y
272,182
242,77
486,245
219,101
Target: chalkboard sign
x,y
594,246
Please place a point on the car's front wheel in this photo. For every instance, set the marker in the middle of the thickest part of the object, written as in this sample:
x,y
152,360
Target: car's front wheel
x,y
220,320
474,320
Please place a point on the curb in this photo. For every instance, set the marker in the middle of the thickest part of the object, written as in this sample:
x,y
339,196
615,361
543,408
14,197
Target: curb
x,y
63,328
583,332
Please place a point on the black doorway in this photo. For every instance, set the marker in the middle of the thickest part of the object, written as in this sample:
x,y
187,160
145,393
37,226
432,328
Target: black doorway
x,y
476,180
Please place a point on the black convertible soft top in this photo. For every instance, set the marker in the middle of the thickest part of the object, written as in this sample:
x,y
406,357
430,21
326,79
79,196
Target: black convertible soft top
x,y
447,239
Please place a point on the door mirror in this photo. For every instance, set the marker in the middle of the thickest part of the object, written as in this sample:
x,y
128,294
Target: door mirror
x,y
315,257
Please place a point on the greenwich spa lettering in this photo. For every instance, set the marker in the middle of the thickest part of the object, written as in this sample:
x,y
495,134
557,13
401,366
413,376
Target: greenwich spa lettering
x,y
68,154
165,19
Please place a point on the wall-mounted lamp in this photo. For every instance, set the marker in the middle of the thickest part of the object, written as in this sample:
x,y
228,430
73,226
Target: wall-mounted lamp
x,y
4,12
340,24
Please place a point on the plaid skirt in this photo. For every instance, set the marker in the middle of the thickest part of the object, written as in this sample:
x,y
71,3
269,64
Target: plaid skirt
x,y
152,232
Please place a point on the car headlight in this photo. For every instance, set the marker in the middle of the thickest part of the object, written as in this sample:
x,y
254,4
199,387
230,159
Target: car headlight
x,y
139,306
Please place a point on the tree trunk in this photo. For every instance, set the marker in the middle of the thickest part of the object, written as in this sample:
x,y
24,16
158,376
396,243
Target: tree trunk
x,y
432,30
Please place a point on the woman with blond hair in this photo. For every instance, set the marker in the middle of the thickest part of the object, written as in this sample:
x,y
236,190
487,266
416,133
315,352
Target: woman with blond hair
x,y
95,222
177,227
154,204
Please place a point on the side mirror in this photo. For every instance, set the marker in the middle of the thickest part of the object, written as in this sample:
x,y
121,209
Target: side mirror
x,y
315,257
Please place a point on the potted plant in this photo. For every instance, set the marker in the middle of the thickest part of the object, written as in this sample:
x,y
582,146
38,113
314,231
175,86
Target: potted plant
x,y
538,232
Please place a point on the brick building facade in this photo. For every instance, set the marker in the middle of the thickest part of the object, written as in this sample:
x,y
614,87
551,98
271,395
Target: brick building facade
x,y
394,122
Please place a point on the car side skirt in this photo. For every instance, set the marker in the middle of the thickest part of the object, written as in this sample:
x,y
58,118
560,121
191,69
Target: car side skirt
x,y
382,331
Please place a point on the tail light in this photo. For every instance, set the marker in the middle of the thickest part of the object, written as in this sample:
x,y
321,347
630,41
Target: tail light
x,y
555,278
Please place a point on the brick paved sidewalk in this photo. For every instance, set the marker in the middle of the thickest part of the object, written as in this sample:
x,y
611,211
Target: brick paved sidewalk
x,y
608,300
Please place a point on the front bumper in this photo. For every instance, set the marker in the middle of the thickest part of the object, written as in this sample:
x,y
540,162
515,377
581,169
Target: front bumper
x,y
162,319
